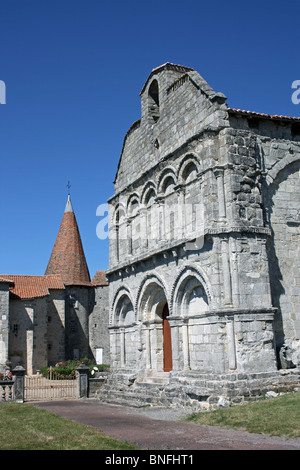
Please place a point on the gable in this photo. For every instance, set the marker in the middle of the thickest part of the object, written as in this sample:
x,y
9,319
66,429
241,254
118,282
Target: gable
x,y
176,104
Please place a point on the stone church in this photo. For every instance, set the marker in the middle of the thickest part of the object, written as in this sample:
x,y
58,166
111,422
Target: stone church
x,y
61,315
204,274
204,258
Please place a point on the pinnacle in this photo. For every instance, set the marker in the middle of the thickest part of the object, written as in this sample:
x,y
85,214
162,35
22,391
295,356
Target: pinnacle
x,y
67,257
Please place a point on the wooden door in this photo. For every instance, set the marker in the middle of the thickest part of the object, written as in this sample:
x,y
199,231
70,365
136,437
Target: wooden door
x,y
167,340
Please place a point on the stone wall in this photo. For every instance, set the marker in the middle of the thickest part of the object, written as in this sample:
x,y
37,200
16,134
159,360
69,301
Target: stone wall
x,y
77,322
276,149
188,228
56,326
285,261
98,323
28,336
4,324
37,335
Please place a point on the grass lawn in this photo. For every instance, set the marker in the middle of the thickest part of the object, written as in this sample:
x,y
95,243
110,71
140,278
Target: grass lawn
x,y
25,427
278,416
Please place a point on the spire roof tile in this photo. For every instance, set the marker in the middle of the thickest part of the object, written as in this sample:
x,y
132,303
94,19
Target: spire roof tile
x,y
67,257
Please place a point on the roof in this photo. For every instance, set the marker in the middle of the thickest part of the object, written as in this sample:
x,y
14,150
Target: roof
x,y
261,115
67,258
29,287
167,66
5,280
99,279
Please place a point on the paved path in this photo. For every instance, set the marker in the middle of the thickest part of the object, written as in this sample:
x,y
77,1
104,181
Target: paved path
x,y
159,428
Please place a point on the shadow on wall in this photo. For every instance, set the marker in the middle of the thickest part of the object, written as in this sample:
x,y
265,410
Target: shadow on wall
x,y
281,207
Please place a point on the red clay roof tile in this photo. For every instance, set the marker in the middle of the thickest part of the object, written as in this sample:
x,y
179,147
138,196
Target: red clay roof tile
x,y
262,115
99,279
67,258
29,287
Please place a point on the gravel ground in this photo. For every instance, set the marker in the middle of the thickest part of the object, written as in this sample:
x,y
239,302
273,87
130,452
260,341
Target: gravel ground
x,y
154,428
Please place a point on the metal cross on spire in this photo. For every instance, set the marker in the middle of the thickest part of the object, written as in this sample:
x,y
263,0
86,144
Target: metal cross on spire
x,y
69,186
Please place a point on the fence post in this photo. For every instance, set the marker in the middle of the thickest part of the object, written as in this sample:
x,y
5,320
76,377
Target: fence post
x,y
19,374
83,381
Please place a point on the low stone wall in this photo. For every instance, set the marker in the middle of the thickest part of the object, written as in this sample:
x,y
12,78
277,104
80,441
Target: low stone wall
x,y
193,390
215,391
96,383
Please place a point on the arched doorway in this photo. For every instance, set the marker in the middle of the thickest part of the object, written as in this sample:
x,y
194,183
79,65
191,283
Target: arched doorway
x,y
153,313
167,341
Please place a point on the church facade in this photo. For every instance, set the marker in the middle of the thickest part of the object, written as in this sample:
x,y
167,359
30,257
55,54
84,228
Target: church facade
x,y
204,274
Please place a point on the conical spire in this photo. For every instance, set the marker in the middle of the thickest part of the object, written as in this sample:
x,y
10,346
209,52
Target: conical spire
x,y
67,258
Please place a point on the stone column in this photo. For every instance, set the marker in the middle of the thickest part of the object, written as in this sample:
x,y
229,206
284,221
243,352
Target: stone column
x,y
117,244
122,346
234,272
180,222
113,346
113,244
219,174
148,348
175,342
19,376
122,238
185,344
83,381
139,343
226,273
129,236
161,218
153,347
143,230
231,351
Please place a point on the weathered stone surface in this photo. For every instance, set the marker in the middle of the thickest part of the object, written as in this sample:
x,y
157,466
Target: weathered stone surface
x,y
198,223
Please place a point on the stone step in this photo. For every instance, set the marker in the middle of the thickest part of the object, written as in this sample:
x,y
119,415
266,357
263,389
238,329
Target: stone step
x,y
156,378
132,397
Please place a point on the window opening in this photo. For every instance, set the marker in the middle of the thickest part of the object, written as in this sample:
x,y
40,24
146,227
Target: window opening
x,y
154,101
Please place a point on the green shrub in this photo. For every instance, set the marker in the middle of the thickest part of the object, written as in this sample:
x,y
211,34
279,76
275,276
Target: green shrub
x,y
67,369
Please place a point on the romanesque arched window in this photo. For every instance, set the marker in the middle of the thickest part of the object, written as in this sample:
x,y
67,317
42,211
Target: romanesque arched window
x,y
150,197
133,224
190,172
150,215
133,205
191,297
168,185
153,101
119,220
124,340
189,168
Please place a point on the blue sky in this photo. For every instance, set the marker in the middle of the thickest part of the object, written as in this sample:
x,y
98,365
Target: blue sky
x,y
73,71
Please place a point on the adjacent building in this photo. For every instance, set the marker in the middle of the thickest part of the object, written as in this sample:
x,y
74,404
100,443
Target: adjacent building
x,y
47,319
